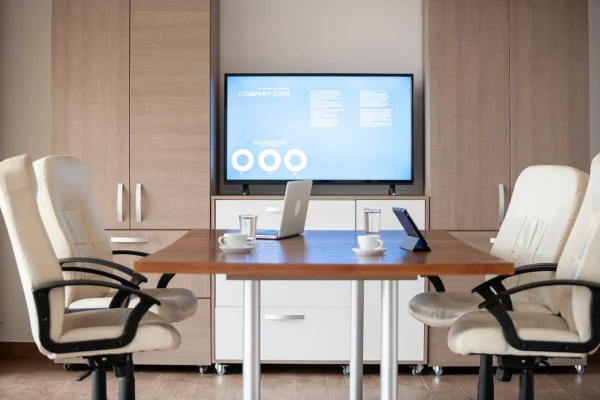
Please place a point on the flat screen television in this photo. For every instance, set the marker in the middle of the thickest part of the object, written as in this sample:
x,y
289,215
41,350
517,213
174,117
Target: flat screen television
x,y
330,128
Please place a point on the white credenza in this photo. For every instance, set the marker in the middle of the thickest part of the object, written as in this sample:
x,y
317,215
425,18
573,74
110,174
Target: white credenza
x,y
308,321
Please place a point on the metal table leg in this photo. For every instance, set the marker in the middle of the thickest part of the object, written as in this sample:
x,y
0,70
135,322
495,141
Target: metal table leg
x,y
389,340
251,365
356,340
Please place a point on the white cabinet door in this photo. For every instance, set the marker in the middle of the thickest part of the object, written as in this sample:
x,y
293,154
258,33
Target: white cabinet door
x,y
416,209
287,334
411,333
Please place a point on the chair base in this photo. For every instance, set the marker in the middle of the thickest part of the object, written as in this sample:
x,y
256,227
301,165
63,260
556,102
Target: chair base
x,y
485,385
525,366
122,364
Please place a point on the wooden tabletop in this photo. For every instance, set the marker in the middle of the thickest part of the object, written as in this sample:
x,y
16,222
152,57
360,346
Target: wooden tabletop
x,y
322,255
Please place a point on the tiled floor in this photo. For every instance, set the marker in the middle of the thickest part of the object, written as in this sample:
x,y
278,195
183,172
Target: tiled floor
x,y
38,378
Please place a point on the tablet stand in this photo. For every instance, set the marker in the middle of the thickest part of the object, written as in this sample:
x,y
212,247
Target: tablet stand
x,y
412,243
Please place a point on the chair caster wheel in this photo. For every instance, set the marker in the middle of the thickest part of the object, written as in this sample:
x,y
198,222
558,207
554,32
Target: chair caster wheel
x,y
202,368
503,375
438,371
220,369
346,370
417,369
580,369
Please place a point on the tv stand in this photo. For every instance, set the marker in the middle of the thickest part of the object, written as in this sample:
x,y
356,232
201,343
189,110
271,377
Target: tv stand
x,y
392,190
245,190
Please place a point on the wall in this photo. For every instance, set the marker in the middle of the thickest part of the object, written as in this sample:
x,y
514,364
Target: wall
x,y
24,126
376,36
594,18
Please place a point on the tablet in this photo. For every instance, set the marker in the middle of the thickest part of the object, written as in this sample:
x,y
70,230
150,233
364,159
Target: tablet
x,y
414,240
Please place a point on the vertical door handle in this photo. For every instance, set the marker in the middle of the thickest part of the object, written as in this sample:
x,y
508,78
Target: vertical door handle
x,y
501,209
138,202
120,202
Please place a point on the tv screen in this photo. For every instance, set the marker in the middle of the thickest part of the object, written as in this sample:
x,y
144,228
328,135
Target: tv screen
x,y
346,128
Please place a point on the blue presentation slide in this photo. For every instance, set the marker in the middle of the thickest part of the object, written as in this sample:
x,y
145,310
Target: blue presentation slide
x,y
341,128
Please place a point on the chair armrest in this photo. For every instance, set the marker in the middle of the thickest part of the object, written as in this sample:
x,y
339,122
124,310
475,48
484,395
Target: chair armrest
x,y
136,278
42,304
484,289
130,253
437,283
494,305
164,279
122,281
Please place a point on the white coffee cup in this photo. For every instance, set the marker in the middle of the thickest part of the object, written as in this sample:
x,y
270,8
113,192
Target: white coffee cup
x,y
233,240
370,242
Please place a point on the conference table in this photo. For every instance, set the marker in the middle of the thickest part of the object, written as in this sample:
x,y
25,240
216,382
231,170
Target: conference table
x,y
324,255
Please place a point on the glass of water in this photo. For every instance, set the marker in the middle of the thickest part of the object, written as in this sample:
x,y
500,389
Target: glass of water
x,y
372,220
248,226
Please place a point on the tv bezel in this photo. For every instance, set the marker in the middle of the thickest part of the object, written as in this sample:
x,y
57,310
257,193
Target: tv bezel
x,y
410,181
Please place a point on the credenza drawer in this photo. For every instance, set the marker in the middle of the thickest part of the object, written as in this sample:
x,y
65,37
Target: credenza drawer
x,y
322,214
286,293
287,334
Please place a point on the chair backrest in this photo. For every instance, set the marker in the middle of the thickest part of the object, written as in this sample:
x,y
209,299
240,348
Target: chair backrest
x,y
545,202
33,252
581,259
71,218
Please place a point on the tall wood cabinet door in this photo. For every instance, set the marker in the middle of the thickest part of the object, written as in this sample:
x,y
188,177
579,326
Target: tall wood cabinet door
x,y
549,63
467,111
90,97
170,114
150,242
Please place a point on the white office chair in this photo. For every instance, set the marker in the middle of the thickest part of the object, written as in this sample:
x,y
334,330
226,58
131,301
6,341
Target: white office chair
x,y
543,208
106,338
522,340
73,223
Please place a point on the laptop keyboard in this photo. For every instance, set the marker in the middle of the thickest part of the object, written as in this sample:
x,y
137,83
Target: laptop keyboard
x,y
267,232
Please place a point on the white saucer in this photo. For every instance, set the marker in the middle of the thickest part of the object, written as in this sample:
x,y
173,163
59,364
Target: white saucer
x,y
368,252
236,250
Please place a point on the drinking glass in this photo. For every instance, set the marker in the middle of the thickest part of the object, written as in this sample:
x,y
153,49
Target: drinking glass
x,y
248,226
372,220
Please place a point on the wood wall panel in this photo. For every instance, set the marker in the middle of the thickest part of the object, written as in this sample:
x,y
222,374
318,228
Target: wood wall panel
x,y
90,94
467,103
170,112
550,112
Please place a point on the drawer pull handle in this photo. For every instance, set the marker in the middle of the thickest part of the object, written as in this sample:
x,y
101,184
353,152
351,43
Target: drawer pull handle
x,y
129,240
274,210
279,317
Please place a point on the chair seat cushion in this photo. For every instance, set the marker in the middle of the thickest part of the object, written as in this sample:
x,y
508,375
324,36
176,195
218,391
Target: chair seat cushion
x,y
442,309
479,332
176,304
154,333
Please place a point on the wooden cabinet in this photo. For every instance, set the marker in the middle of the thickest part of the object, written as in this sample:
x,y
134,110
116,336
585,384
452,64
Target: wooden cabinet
x,y
90,95
170,113
507,86
132,83
550,112
467,110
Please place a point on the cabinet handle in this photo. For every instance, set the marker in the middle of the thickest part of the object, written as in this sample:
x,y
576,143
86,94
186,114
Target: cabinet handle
x,y
125,239
275,210
120,202
280,317
138,202
501,209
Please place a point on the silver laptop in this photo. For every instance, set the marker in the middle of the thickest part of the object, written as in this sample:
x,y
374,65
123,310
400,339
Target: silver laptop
x,y
293,216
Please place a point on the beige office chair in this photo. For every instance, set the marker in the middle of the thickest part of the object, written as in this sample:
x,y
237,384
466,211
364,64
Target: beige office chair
x,y
523,340
106,338
543,208
73,223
